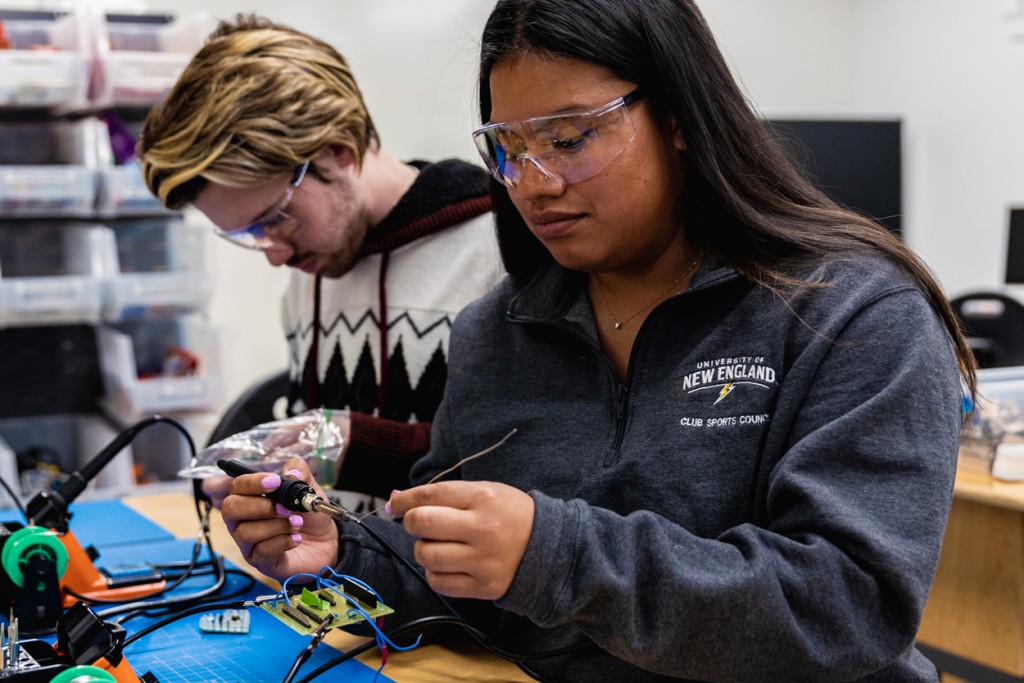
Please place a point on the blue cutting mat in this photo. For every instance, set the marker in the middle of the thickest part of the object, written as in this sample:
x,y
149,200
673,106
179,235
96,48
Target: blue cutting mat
x,y
180,652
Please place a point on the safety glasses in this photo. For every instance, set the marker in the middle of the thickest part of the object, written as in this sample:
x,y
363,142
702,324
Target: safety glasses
x,y
254,235
573,147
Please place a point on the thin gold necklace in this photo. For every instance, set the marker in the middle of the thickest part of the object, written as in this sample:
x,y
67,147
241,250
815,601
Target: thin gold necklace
x,y
616,323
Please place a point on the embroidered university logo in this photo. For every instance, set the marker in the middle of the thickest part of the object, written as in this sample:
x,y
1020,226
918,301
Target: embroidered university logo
x,y
724,376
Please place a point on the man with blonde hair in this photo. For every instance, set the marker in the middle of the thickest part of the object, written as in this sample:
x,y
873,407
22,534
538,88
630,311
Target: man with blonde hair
x,y
267,134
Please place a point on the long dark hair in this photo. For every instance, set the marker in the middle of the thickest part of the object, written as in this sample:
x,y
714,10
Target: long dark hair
x,y
746,204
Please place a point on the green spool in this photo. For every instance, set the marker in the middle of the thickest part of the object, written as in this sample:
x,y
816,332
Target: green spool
x,y
84,674
26,542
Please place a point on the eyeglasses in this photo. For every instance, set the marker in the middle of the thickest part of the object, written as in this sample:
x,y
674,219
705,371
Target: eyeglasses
x,y
254,235
573,147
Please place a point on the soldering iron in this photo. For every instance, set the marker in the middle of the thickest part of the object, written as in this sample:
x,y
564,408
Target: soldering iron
x,y
294,494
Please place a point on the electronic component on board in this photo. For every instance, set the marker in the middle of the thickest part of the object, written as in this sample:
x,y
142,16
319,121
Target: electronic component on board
x,y
332,604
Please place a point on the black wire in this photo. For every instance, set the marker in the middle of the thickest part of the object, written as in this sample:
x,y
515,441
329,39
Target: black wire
x,y
143,609
479,636
463,623
203,512
179,564
190,599
138,427
157,419
175,582
209,607
307,652
391,550
15,498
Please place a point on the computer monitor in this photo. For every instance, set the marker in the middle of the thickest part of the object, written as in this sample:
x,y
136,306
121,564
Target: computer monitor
x,y
858,163
1015,248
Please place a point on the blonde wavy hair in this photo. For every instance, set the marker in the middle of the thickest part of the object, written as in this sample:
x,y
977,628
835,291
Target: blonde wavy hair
x,y
256,101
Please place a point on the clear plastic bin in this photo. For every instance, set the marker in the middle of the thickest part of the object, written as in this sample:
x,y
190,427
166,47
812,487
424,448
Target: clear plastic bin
x,y
54,369
48,63
49,169
142,55
63,444
160,366
159,452
161,271
54,272
123,192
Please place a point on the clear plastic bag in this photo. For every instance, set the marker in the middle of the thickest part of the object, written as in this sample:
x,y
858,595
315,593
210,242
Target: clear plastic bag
x,y
266,447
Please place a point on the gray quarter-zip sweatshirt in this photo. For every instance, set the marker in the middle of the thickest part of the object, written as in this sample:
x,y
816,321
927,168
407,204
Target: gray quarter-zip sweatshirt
x,y
763,498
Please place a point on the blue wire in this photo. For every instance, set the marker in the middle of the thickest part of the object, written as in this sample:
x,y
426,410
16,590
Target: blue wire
x,y
382,641
353,579
284,585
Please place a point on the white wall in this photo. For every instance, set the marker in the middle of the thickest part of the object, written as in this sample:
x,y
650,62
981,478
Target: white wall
x,y
793,57
948,67
955,72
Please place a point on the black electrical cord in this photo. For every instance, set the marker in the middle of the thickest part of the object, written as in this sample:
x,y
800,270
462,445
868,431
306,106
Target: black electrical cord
x,y
479,636
203,508
144,610
15,498
465,624
175,582
307,652
189,599
198,609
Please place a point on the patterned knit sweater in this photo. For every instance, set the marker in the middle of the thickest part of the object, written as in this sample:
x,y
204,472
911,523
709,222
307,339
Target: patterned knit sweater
x,y
376,339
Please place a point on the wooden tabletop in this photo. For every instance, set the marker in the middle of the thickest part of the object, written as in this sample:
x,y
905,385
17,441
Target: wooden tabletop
x,y
425,664
979,486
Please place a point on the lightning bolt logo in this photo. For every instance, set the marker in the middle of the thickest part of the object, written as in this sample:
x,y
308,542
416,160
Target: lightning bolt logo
x,y
726,390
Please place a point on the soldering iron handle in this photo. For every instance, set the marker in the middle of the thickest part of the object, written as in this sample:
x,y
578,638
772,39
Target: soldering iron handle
x,y
235,468
294,494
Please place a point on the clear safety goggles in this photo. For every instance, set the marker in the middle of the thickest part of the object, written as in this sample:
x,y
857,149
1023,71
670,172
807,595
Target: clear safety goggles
x,y
254,235
573,147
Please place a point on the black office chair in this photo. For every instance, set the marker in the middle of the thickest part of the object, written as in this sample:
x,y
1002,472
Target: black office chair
x,y
994,326
264,401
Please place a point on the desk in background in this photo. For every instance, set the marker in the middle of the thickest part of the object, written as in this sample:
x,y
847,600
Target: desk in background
x,y
973,624
425,664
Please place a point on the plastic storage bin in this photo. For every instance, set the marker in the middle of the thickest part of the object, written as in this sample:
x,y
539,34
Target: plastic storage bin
x,y
53,272
160,366
9,473
159,452
49,169
142,55
66,443
49,370
122,191
161,271
47,65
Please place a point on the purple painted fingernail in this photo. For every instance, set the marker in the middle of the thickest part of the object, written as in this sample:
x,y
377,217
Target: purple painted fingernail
x,y
294,474
297,538
295,521
271,481
387,507
282,510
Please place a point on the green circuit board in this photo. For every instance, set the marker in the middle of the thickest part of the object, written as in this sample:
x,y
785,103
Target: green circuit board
x,y
308,610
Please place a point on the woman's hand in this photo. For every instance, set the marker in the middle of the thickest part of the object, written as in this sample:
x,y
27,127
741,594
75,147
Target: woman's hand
x,y
472,534
217,489
272,539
